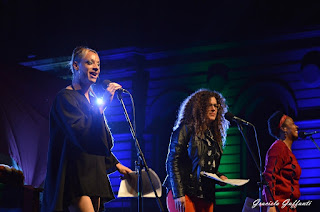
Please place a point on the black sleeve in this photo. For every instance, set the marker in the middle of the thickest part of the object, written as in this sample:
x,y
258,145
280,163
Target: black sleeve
x,y
85,129
219,174
111,162
176,155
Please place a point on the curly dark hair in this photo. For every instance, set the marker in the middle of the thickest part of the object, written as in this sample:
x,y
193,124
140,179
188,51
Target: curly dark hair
x,y
193,113
273,124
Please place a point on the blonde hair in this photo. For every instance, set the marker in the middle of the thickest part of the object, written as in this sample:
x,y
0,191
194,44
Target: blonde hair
x,y
78,53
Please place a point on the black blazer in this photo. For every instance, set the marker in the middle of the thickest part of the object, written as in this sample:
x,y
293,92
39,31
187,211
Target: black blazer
x,y
185,159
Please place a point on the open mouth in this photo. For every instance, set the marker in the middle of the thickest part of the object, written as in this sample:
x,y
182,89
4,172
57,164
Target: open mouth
x,y
94,74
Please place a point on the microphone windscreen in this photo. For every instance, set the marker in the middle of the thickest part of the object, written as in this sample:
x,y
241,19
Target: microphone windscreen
x,y
105,83
229,116
302,134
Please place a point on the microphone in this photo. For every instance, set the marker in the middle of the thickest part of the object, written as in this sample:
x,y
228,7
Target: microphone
x,y
306,134
106,83
230,117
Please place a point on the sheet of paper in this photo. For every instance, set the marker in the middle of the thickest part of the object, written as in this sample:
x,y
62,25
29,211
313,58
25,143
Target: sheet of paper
x,y
234,182
128,187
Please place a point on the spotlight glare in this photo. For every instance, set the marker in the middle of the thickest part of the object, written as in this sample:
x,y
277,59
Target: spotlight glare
x,y
99,101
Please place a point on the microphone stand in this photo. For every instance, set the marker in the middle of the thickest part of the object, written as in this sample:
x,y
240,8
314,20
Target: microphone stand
x,y
315,143
262,181
141,161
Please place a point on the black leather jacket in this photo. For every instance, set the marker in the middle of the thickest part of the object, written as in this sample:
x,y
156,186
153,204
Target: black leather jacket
x,y
185,161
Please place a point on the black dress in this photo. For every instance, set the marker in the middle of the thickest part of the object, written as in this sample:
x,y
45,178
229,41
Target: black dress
x,y
79,156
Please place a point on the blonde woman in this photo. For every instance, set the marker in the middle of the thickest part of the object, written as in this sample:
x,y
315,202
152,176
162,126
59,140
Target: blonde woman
x,y
80,156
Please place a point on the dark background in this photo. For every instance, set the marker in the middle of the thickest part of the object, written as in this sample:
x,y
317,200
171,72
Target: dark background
x,y
42,29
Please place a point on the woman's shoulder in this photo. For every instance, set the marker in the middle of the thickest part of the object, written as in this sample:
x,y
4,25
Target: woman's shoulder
x,y
278,144
181,131
278,147
182,127
66,91
65,94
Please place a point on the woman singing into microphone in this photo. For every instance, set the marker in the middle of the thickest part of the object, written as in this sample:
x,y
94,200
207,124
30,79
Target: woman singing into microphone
x,y
80,156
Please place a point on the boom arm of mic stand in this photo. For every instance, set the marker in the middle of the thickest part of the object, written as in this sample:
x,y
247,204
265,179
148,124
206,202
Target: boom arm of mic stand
x,y
314,142
142,161
259,167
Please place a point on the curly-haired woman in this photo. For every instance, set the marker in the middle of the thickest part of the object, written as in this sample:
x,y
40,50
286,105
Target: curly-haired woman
x,y
282,171
195,146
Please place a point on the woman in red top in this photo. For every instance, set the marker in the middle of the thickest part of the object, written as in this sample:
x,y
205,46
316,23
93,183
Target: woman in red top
x,y
282,171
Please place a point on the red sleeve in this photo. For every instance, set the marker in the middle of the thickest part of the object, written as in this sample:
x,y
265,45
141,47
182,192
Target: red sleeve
x,y
275,159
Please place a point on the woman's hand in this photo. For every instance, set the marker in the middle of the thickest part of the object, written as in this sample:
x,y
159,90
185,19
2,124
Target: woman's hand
x,y
222,177
109,94
179,203
123,169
